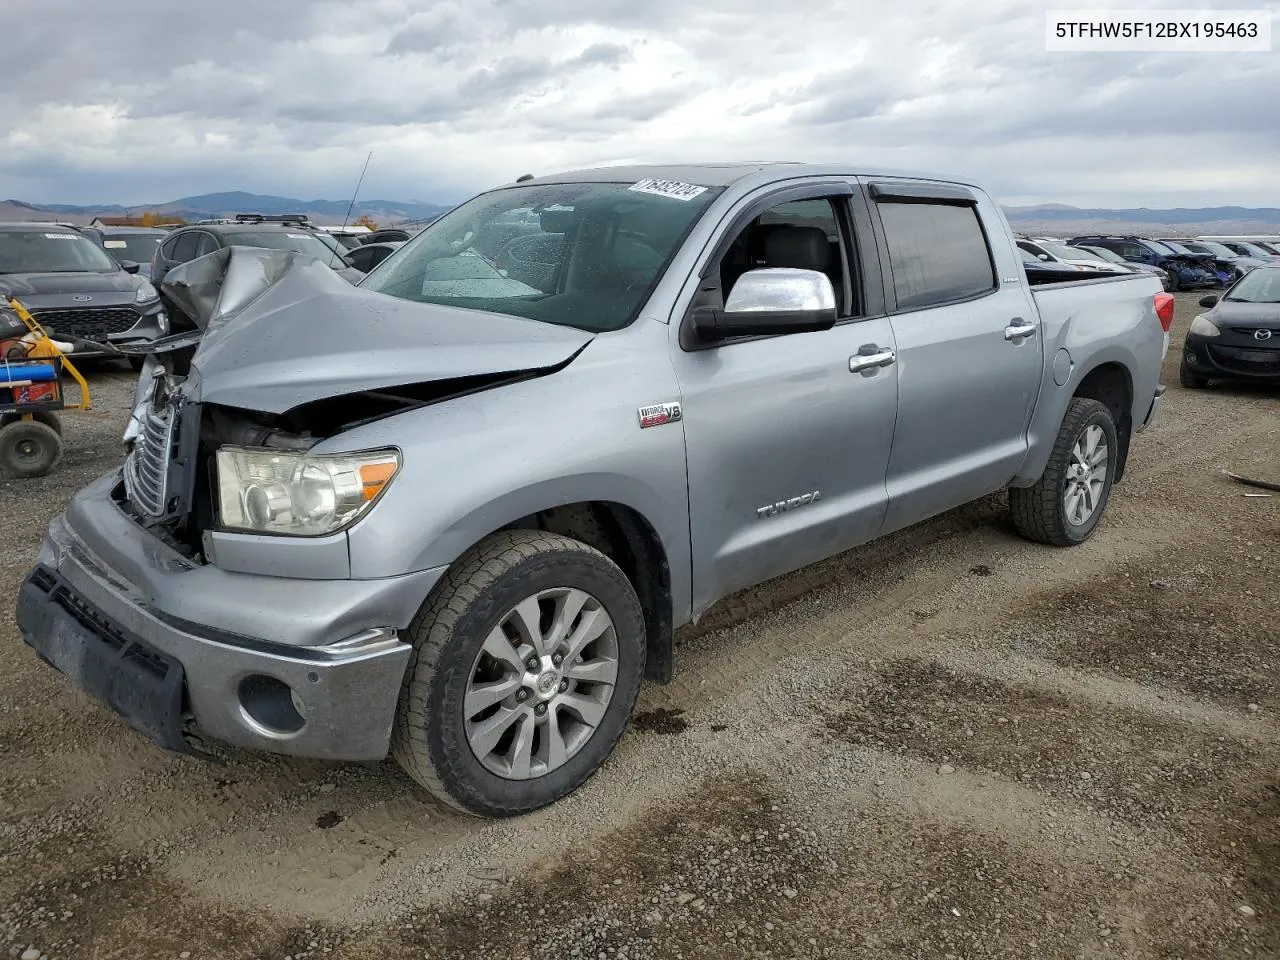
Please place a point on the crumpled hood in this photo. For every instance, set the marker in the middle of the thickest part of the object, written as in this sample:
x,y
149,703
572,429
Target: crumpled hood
x,y
281,329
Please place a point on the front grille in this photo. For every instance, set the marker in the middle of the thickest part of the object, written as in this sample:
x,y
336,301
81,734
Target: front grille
x,y
1242,360
146,469
91,323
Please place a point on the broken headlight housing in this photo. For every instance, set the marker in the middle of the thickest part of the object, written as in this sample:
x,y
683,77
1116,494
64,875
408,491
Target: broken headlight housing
x,y
299,494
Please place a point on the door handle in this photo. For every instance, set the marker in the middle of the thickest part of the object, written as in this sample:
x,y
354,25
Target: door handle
x,y
1019,329
868,361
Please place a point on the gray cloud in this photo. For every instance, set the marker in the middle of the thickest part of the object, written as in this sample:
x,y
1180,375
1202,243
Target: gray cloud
x,y
288,96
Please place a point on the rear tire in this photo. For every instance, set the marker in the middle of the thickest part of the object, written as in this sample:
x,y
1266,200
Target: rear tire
x,y
28,448
1174,280
1189,380
1064,506
470,674
48,418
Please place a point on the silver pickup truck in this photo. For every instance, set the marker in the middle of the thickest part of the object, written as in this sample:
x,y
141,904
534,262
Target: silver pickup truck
x,y
456,512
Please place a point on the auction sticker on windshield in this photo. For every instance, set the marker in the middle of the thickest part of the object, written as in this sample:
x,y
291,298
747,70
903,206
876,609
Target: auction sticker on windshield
x,y
114,244
674,189
62,236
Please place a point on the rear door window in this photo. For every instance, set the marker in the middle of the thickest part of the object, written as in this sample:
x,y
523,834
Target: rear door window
x,y
938,253
185,248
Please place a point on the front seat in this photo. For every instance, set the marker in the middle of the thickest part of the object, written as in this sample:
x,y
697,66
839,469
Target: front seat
x,y
802,248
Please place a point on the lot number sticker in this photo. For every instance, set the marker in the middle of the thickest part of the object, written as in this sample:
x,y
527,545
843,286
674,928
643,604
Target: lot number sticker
x,y
674,189
62,236
114,244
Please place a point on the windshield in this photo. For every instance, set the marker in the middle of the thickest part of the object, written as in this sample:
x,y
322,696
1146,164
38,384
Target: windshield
x,y
1177,247
1105,254
582,255
306,243
1269,248
1157,246
1080,253
132,246
1257,286
52,250
1254,250
1064,252
1216,249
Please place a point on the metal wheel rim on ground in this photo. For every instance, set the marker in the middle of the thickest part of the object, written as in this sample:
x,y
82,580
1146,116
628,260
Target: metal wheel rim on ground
x,y
541,683
1086,476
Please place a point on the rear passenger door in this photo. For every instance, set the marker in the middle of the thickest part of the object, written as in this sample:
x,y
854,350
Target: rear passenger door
x,y
968,343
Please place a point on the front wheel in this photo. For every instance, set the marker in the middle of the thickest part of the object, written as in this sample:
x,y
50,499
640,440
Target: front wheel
x,y
1189,380
1175,282
526,666
1064,506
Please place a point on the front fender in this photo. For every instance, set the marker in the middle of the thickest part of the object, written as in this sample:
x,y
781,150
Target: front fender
x,y
477,463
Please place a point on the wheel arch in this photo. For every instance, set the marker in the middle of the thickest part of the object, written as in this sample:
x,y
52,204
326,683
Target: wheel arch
x,y
1111,384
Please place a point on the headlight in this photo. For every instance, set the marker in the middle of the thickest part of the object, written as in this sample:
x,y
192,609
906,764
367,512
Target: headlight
x,y
299,494
1204,327
146,291
162,322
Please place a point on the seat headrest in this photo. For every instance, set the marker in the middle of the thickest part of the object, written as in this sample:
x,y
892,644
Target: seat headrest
x,y
804,248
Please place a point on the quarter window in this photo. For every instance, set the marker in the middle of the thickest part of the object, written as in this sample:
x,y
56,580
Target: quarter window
x,y
185,248
938,253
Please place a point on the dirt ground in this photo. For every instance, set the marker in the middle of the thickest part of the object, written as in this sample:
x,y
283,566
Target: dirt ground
x,y
950,744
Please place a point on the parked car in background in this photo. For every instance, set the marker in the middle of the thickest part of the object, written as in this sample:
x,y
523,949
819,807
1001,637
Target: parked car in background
x,y
246,230
1239,337
461,527
1185,271
1254,249
350,236
1050,251
129,243
1223,270
1046,271
74,288
387,235
368,255
1112,257
1238,263
1265,244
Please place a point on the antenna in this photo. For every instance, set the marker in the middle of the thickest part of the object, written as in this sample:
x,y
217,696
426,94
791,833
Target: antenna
x,y
352,204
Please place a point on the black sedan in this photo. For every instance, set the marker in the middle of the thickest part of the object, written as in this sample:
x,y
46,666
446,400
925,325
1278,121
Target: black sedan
x,y
1239,337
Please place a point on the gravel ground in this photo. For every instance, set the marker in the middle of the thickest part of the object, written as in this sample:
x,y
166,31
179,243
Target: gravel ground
x,y
949,744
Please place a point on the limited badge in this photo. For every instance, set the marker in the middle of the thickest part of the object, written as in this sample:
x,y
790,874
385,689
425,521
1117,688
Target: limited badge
x,y
658,414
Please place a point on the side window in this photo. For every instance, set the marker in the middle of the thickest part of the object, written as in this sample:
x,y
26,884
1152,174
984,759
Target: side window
x,y
1133,251
801,233
185,247
205,244
169,247
937,251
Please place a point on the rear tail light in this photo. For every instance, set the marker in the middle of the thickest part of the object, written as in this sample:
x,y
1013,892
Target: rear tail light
x,y
1164,310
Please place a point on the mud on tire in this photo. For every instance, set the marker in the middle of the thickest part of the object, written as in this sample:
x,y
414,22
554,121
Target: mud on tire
x,y
1040,512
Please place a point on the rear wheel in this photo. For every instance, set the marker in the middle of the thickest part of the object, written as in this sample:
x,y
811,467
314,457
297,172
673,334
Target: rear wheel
x,y
1173,283
526,666
28,448
1064,506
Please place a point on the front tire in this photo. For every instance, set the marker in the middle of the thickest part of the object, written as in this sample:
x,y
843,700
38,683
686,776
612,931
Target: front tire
x,y
527,663
1064,506
1175,282
1190,380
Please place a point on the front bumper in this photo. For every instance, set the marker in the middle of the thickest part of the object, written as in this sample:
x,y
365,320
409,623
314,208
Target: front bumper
x,y
1231,357
116,628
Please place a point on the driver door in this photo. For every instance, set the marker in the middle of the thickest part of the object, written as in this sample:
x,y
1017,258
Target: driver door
x,y
787,447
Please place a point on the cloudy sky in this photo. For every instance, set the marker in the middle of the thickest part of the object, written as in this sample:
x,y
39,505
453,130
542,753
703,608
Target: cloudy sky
x,y
150,100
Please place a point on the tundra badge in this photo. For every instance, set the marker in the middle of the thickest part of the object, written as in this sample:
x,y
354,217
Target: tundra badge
x,y
658,414
782,506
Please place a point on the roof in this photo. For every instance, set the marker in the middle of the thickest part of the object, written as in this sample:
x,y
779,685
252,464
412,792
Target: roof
x,y
250,225
29,225
111,228
728,174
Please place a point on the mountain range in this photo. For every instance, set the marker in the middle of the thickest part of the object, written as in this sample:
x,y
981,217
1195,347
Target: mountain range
x,y
1051,218
228,204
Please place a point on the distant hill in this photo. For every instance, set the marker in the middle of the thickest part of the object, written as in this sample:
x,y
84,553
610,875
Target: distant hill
x,y
1054,219
1059,219
228,204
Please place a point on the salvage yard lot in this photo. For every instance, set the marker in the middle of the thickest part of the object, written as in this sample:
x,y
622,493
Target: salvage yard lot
x,y
952,743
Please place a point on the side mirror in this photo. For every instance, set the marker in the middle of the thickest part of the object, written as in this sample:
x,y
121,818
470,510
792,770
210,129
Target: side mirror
x,y
130,266
1042,256
772,301
1209,301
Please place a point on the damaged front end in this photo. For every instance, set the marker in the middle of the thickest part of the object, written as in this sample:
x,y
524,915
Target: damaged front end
x,y
286,354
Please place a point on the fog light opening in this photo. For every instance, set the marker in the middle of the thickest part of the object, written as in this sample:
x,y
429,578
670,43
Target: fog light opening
x,y
271,704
